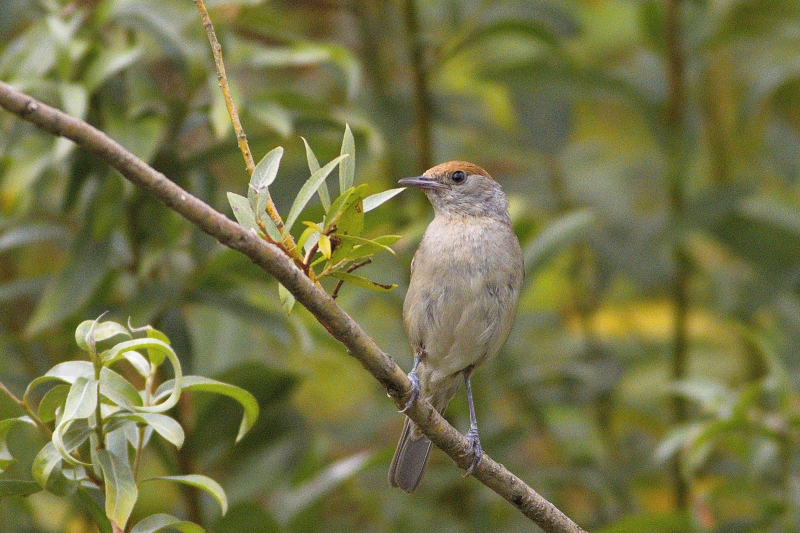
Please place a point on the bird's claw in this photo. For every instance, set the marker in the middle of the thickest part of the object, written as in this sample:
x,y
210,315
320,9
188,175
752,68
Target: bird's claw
x,y
476,450
412,399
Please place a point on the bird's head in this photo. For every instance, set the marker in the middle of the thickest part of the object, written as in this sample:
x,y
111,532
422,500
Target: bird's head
x,y
461,189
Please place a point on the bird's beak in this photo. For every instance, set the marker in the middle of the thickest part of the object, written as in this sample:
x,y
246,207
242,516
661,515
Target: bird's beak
x,y
423,182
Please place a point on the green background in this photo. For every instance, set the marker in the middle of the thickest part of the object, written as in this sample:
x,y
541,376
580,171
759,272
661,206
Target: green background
x,y
638,196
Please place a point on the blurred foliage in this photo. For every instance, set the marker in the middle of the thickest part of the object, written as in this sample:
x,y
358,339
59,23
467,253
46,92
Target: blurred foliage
x,y
565,103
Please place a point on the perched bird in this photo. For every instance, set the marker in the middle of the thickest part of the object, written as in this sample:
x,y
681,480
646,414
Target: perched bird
x,y
466,278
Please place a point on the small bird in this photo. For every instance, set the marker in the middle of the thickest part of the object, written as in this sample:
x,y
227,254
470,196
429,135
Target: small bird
x,y
466,278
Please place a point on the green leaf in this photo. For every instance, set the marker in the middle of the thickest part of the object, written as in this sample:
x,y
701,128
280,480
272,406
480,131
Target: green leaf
x,y
102,331
68,435
347,169
341,204
51,401
118,389
160,522
374,200
138,361
120,487
313,166
266,170
153,346
287,298
44,463
199,383
242,211
81,400
365,247
67,372
164,425
556,237
18,487
201,482
364,283
98,513
308,190
5,426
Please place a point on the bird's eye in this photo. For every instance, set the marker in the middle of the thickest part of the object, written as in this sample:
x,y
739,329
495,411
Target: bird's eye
x,y
459,176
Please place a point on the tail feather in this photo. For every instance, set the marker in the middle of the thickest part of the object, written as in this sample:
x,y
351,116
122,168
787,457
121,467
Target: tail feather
x,y
410,459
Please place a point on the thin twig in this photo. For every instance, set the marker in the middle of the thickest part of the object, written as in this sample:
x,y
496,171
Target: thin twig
x,y
360,264
319,303
241,137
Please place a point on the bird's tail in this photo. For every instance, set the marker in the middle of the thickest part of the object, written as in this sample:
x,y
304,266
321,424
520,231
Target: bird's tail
x,y
410,458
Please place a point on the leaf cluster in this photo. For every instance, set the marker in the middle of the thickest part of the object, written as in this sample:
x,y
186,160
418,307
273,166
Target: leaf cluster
x,y
102,422
334,245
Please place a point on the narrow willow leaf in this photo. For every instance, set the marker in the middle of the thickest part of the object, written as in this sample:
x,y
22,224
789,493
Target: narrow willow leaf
x,y
362,282
365,247
313,166
44,463
325,246
138,361
118,389
98,513
67,372
51,401
164,425
121,491
199,383
242,211
266,170
374,200
309,188
204,483
18,487
81,400
304,242
153,346
287,298
347,169
342,203
65,439
5,426
163,522
102,331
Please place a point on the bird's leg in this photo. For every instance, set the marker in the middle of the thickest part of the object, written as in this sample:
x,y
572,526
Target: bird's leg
x,y
472,434
412,376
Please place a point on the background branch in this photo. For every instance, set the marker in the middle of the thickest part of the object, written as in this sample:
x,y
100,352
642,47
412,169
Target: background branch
x,y
270,258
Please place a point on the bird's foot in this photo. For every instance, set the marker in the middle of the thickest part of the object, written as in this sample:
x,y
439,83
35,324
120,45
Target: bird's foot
x,y
475,450
412,399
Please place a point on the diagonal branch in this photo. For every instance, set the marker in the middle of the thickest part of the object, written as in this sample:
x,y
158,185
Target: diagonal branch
x,y
270,258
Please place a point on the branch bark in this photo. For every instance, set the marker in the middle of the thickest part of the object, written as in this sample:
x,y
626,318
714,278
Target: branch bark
x,y
272,260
